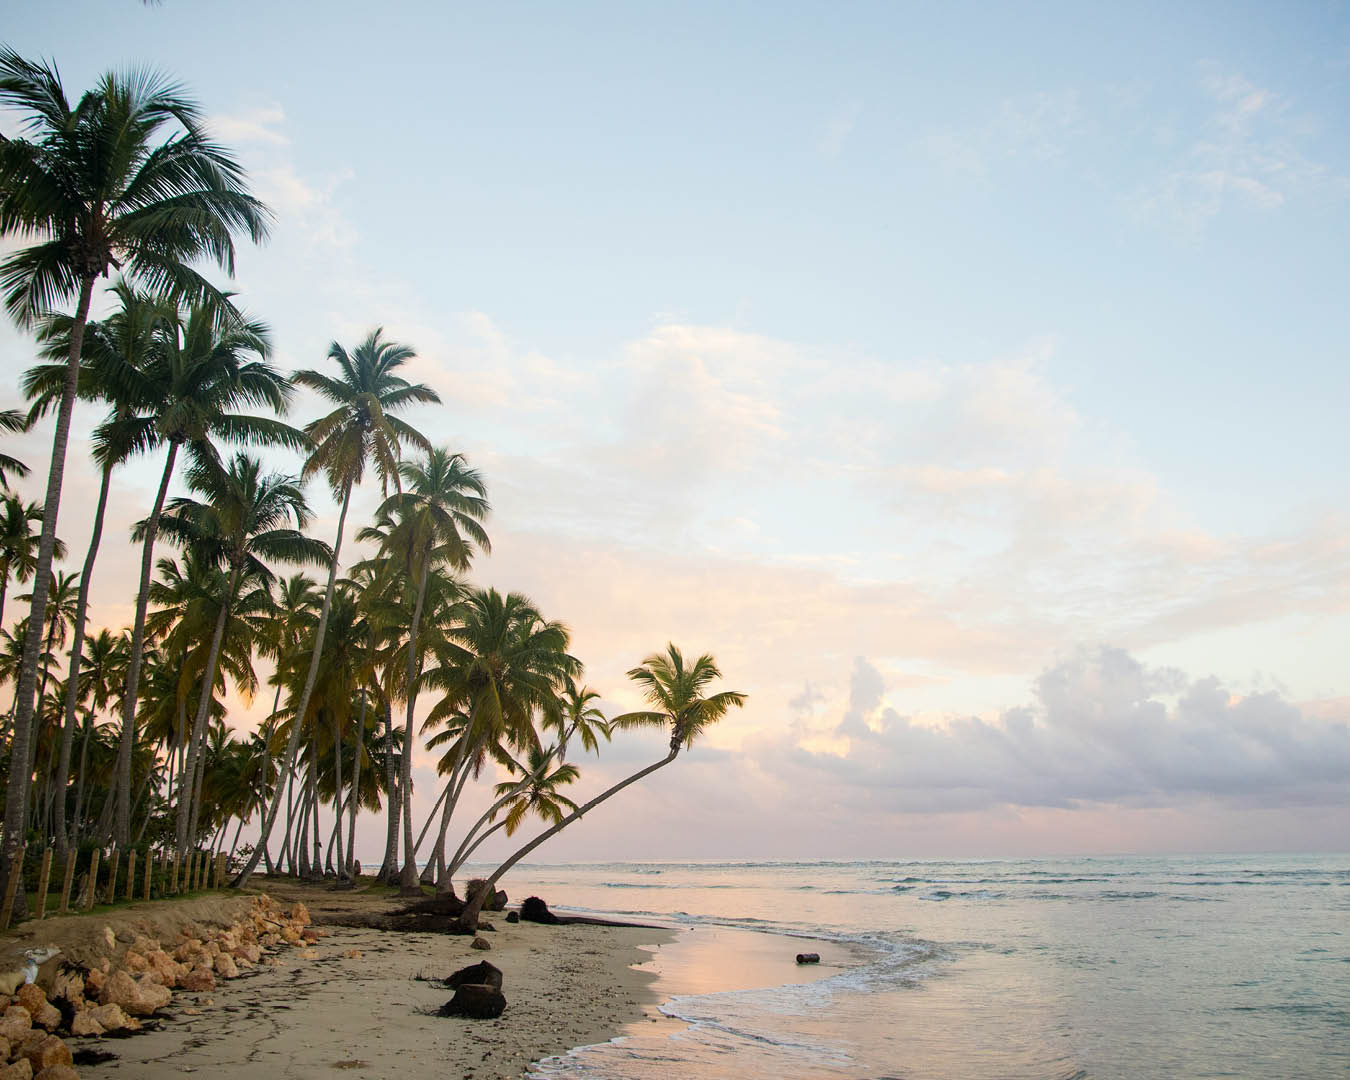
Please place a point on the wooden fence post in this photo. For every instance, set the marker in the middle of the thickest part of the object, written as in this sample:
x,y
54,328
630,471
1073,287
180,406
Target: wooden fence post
x,y
220,869
114,861
69,879
12,886
44,879
93,880
131,874
149,869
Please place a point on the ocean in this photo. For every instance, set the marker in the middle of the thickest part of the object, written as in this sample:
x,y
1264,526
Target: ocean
x,y
1044,969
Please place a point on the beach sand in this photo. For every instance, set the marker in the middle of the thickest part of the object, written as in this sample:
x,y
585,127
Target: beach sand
x,y
360,1002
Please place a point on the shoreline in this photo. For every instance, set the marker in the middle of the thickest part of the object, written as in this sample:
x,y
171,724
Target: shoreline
x,y
363,1001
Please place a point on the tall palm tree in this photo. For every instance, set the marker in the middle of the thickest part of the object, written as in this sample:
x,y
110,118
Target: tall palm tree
x,y
99,186
94,187
677,693
441,511
360,431
12,420
116,356
247,518
196,380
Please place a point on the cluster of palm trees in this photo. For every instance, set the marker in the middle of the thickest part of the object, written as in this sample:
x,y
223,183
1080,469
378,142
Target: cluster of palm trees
x,y
127,739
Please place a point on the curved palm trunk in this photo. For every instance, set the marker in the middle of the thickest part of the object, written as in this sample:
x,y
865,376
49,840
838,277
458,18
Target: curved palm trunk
x,y
16,791
73,676
408,880
472,848
469,844
122,828
337,798
190,786
468,920
293,744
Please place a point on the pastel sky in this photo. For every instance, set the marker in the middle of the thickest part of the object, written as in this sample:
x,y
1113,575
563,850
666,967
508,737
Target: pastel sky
x,y
970,379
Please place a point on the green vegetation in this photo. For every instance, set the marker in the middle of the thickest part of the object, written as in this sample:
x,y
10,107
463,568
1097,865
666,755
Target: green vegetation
x,y
123,736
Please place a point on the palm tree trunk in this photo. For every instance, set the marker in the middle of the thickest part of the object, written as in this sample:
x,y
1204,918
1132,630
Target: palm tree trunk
x,y
293,744
122,829
337,797
389,865
356,785
472,848
461,855
76,654
468,920
79,785
188,807
312,779
16,790
408,881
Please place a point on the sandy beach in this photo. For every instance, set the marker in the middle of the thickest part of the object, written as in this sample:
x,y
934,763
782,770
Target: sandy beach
x,y
362,1001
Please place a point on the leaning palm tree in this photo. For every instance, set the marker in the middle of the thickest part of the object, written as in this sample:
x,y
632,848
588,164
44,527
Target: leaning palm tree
x,y
247,519
18,543
94,187
360,431
677,693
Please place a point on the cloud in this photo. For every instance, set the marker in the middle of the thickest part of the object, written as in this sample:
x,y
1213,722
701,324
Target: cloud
x,y
839,128
1102,728
254,126
1036,127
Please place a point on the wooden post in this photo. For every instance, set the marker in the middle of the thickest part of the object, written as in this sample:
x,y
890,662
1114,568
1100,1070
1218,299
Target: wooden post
x,y
191,884
114,860
173,872
131,875
12,886
93,880
149,870
44,879
220,869
69,880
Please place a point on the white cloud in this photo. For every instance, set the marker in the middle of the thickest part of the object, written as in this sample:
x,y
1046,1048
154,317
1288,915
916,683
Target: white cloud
x,y
254,126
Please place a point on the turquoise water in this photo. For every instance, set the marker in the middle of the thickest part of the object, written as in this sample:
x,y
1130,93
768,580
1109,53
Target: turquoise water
x,y
1197,966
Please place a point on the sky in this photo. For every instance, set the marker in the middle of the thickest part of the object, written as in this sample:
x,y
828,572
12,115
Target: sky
x,y
969,380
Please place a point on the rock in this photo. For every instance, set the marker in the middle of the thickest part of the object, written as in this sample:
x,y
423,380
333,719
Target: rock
x,y
58,1072
248,951
308,954
20,1070
68,986
475,1000
113,1018
226,967
535,910
481,943
198,979
15,1024
94,983
110,937
495,902
134,962
47,1051
353,954
808,958
479,974
83,1025
138,998
4,1049
11,980
300,914
44,1015
513,916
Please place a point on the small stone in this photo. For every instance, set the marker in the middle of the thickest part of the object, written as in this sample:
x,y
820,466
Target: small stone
x,y
225,966
308,954
113,1018
110,937
15,1024
353,954
20,1070
300,913
513,916
84,1025
481,943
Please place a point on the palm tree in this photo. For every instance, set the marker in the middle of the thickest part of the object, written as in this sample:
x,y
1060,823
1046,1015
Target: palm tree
x,y
196,379
362,429
247,517
677,693
440,512
94,187
12,420
116,356
503,664
18,543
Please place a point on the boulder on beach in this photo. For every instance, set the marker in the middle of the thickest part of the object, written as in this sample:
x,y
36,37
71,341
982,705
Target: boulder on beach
x,y
808,958
535,910
475,1000
481,943
479,974
513,916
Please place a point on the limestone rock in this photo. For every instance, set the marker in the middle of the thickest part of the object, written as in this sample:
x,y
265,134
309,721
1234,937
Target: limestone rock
x,y
4,1049
225,966
11,980
45,1052
198,979
15,1024
138,998
475,1000
481,943
110,937
20,1070
68,986
113,1018
58,1072
44,1015
481,974
84,1026
300,913
94,983
308,954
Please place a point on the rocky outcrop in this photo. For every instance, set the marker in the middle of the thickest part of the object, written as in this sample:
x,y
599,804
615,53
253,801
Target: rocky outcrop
x,y
475,1000
535,910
